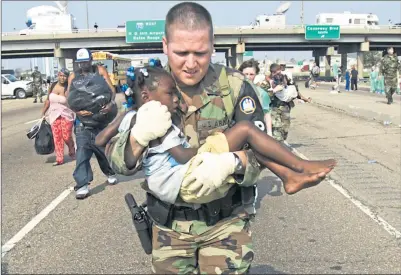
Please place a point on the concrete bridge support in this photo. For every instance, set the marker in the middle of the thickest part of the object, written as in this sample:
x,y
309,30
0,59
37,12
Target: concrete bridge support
x,y
327,67
62,54
344,58
359,48
327,53
235,55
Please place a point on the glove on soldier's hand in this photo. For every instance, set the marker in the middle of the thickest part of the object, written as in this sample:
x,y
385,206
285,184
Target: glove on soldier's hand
x,y
152,121
210,172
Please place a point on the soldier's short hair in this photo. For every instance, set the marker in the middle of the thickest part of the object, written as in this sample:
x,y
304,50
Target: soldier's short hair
x,y
251,63
191,16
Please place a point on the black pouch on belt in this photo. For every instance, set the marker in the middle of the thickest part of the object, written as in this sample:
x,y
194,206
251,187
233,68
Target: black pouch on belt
x,y
159,210
211,211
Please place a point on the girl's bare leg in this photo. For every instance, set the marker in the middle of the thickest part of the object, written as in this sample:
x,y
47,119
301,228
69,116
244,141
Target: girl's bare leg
x,y
246,132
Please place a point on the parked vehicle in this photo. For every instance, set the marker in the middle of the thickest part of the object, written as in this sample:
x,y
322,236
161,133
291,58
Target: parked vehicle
x,y
349,20
12,87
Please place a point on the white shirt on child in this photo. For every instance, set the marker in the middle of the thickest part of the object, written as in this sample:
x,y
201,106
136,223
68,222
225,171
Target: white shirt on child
x,y
163,173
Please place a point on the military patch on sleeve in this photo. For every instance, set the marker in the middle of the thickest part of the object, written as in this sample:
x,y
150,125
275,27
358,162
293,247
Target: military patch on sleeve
x,y
247,105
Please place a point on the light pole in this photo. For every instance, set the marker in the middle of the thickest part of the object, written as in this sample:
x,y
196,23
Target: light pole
x,y
302,13
87,15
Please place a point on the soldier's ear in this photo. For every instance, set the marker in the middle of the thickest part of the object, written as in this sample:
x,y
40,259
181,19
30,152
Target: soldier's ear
x,y
164,42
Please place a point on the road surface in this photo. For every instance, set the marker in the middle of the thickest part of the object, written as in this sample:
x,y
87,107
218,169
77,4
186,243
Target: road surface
x,y
350,223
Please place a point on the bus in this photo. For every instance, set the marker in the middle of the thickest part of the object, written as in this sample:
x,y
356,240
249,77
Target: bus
x,y
115,65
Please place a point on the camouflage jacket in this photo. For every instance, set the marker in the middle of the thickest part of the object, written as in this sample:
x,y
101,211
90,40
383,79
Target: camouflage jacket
x,y
389,66
37,78
209,113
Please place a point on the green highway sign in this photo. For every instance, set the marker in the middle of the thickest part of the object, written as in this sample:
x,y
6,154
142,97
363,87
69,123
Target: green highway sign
x,y
248,53
322,32
144,31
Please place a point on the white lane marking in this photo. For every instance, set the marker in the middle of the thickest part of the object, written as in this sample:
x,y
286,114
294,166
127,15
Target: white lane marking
x,y
34,222
365,209
32,121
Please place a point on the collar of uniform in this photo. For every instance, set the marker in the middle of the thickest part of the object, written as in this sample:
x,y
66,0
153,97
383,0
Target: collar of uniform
x,y
209,85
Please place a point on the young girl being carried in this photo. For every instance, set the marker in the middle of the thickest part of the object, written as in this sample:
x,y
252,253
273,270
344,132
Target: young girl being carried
x,y
169,158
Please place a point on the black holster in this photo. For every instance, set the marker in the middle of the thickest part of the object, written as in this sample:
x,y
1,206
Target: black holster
x,y
142,223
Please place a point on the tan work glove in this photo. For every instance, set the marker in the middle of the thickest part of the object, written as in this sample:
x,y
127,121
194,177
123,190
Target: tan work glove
x,y
210,172
152,121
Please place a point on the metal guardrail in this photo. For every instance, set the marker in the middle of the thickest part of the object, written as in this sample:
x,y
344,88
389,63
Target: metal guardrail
x,y
286,27
64,32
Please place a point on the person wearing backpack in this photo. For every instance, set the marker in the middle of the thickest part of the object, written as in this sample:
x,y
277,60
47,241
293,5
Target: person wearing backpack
x,y
87,127
60,117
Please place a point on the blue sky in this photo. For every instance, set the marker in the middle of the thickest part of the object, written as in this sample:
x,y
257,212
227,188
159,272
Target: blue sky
x,y
109,14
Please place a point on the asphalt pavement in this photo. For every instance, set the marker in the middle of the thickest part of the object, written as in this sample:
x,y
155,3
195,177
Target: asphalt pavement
x,y
350,223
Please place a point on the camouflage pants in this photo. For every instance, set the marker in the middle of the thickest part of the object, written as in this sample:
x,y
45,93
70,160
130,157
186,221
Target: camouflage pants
x,y
191,247
390,87
280,122
389,92
37,92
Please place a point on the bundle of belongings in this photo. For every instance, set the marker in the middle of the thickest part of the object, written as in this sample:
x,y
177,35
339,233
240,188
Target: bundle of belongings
x,y
91,93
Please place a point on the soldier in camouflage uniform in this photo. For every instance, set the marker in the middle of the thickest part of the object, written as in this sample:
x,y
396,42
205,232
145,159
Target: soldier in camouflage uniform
x,y
389,66
280,111
199,238
37,85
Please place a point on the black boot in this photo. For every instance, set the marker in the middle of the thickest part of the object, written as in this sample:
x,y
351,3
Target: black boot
x,y
41,101
35,101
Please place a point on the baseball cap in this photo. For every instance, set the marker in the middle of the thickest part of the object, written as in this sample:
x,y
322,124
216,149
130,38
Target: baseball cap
x,y
83,55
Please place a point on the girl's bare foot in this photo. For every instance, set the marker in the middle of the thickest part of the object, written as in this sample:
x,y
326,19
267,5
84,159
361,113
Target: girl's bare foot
x,y
295,182
316,166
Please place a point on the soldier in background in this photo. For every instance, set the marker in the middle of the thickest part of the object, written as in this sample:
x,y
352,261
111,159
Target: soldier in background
x,y
389,66
37,85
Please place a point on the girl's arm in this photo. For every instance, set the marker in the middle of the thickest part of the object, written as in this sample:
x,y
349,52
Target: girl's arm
x,y
181,154
110,131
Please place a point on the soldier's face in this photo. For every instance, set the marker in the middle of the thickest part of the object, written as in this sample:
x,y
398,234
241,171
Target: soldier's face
x,y
249,73
189,53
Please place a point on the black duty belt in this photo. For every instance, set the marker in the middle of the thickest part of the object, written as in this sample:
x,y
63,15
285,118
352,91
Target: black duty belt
x,y
210,213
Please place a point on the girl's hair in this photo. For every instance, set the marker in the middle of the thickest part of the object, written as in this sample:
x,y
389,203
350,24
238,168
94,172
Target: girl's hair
x,y
147,77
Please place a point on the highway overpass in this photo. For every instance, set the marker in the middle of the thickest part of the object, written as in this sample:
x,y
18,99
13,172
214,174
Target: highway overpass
x,y
231,40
